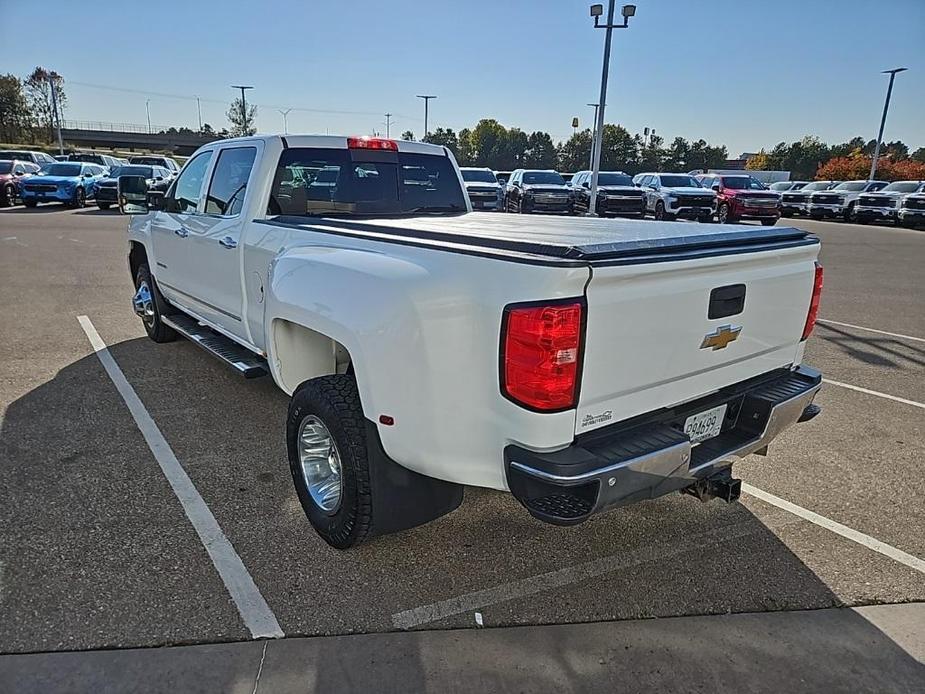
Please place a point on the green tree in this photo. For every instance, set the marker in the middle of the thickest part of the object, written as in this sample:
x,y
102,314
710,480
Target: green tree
x,y
677,154
897,150
919,155
242,122
464,155
540,152
489,144
652,156
15,117
39,87
575,153
847,148
407,135
619,150
445,137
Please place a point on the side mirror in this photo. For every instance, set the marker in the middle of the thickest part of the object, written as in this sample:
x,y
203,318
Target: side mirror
x,y
585,184
156,200
715,187
88,175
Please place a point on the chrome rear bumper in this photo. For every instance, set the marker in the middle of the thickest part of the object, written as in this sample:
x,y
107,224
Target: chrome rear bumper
x,y
624,464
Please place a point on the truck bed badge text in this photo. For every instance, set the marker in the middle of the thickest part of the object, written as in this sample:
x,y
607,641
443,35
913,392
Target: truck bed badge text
x,y
592,419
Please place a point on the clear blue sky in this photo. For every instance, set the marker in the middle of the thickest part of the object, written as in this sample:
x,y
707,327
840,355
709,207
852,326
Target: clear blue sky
x,y
746,73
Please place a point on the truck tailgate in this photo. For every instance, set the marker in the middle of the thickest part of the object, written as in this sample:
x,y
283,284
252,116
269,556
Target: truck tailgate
x,y
646,340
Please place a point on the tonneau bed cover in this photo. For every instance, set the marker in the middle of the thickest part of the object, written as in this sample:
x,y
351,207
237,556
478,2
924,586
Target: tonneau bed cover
x,y
563,239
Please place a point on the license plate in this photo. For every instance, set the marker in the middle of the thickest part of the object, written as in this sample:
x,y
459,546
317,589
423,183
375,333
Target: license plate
x,y
705,425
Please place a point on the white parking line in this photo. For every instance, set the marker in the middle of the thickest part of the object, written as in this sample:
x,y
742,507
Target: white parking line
x,y
871,330
425,614
257,615
837,528
559,578
887,396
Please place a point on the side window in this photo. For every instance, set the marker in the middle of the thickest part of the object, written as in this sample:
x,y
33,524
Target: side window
x,y
229,180
184,197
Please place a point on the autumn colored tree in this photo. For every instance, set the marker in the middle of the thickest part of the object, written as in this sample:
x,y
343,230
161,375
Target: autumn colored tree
x,y
759,162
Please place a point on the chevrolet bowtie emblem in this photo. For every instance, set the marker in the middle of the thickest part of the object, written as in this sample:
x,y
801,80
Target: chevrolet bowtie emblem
x,y
721,337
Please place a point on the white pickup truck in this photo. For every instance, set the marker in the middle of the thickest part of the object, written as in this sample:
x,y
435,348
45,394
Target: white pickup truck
x,y
581,364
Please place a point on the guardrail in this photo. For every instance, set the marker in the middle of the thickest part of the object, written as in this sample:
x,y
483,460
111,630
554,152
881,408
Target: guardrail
x,y
116,127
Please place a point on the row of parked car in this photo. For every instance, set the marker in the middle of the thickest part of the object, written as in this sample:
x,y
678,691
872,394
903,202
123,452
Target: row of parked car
x,y
73,179
704,197
900,203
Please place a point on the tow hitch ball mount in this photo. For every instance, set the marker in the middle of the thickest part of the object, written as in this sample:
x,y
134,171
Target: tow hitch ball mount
x,y
722,485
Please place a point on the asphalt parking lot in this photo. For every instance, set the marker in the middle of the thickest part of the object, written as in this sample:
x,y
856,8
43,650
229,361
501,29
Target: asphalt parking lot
x,y
97,553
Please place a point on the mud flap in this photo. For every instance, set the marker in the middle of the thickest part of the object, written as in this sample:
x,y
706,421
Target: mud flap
x,y
401,498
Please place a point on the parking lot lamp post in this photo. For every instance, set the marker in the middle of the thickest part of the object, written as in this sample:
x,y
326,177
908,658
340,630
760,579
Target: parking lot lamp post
x,y
596,12
148,112
199,111
285,114
427,98
593,136
886,106
243,105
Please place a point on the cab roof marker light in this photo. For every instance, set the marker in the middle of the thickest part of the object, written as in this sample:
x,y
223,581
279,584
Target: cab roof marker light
x,y
367,142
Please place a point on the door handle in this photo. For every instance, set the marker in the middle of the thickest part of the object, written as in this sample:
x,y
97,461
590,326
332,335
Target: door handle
x,y
228,242
182,232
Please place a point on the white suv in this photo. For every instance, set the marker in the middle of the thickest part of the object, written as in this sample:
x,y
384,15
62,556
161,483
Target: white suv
x,y
673,195
840,200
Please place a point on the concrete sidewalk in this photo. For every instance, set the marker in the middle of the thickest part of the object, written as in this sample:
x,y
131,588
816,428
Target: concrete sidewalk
x,y
870,649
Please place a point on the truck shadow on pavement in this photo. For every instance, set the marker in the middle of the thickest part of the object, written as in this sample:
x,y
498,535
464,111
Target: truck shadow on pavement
x,y
95,551
876,351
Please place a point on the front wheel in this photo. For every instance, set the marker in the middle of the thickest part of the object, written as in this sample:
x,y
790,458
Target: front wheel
x,y
103,205
723,215
326,441
9,197
705,219
660,213
79,199
30,203
149,305
768,222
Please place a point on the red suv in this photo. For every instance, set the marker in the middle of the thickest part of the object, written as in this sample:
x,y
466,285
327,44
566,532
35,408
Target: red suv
x,y
742,197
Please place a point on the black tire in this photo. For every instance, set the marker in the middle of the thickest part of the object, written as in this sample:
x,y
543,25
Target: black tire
x,y
660,213
104,205
848,214
155,327
8,199
723,216
79,200
705,219
334,400
30,203
768,222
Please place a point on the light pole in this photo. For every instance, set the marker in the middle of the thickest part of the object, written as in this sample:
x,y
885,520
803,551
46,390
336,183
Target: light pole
x,y
148,112
427,98
596,12
886,106
53,78
199,111
243,106
388,125
285,113
593,135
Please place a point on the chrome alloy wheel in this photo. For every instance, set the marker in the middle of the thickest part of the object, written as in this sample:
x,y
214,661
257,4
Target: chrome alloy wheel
x,y
143,303
320,463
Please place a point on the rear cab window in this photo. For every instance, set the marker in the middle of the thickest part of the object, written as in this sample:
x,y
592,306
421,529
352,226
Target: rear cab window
x,y
331,182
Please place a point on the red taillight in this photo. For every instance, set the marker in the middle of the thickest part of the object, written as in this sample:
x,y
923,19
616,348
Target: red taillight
x,y
813,304
541,351
371,143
